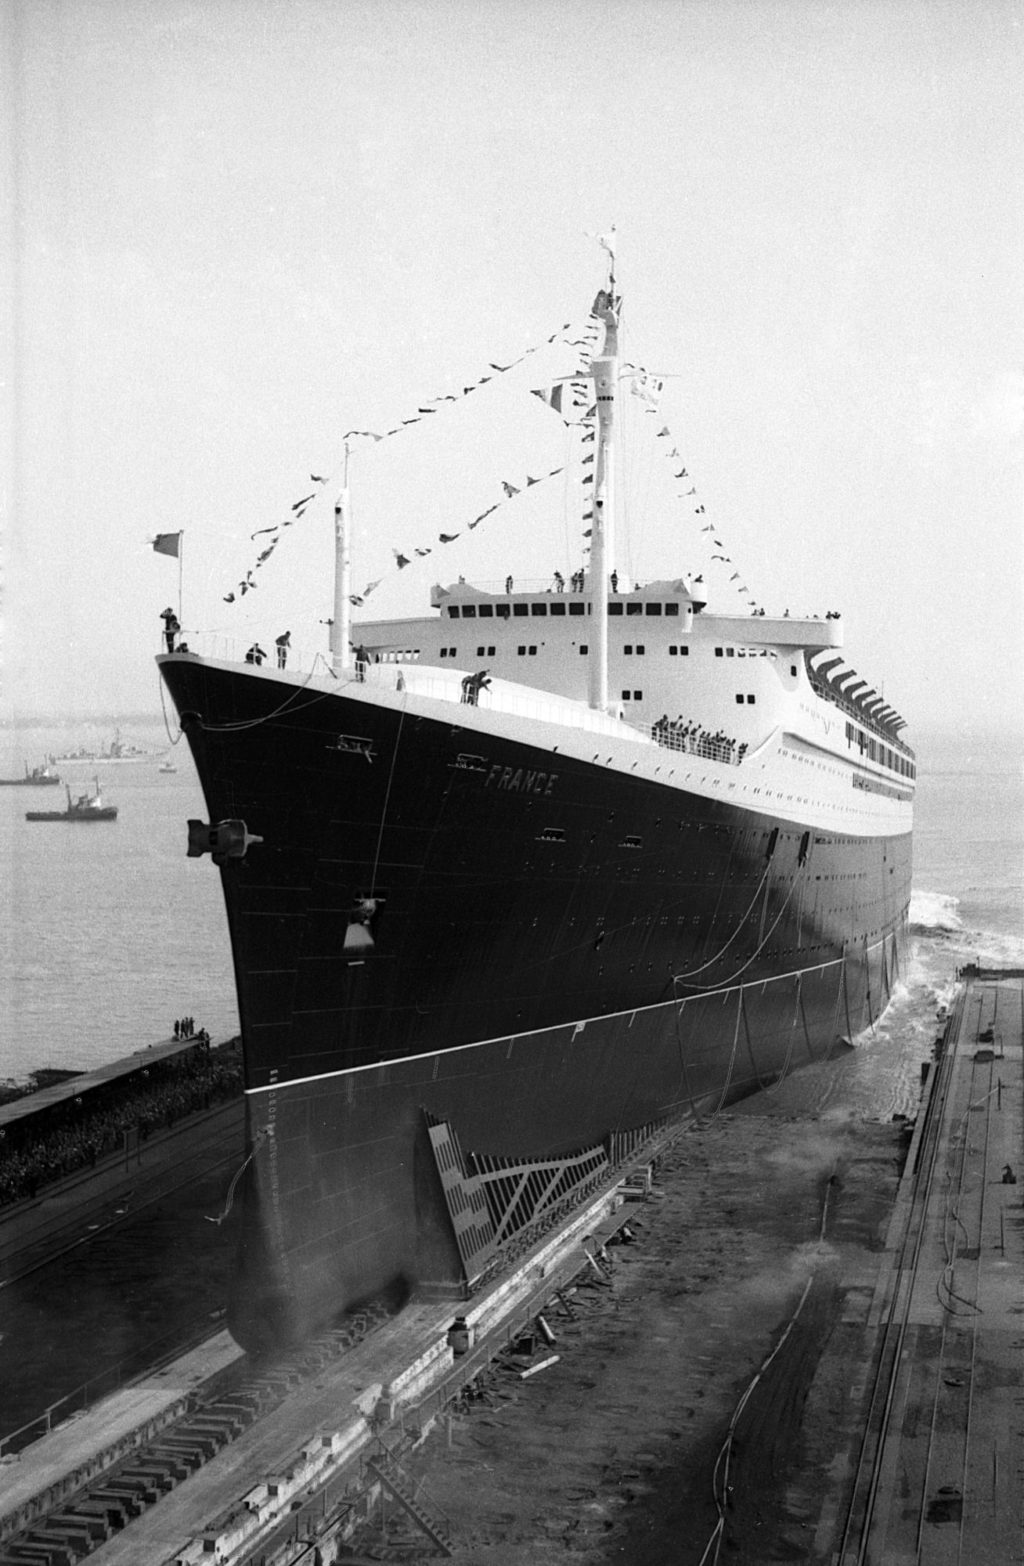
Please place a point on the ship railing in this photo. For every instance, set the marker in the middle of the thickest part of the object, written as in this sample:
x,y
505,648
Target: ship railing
x,y
701,743
405,674
516,700
835,698
428,681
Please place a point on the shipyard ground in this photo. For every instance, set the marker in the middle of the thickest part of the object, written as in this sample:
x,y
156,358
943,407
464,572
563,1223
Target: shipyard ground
x,y
806,1346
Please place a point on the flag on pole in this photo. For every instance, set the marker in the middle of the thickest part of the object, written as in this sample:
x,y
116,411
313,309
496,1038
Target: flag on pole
x,y
167,544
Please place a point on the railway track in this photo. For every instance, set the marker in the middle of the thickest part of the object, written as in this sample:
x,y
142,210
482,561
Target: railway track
x,y
921,1456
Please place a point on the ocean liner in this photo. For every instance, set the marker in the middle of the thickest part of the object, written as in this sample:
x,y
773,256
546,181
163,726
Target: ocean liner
x,y
517,886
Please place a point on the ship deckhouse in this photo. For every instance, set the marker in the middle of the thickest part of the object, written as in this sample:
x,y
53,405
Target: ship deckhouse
x,y
673,668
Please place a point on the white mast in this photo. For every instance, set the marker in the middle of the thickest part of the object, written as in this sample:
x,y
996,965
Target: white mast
x,y
605,373
341,623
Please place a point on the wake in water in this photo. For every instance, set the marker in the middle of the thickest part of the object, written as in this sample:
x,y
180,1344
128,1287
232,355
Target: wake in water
x,y
934,913
880,1076
936,921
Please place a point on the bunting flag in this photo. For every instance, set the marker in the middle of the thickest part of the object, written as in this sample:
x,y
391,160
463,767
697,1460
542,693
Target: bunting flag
x,y
555,395
422,411
358,599
403,559
552,395
650,387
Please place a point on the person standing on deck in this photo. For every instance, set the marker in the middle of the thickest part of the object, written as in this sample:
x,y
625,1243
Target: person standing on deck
x,y
171,627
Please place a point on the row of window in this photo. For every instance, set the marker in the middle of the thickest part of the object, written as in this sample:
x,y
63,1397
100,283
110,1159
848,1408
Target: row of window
x,y
556,607
630,650
877,751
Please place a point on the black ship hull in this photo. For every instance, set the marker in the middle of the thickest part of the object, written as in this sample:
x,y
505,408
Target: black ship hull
x,y
475,971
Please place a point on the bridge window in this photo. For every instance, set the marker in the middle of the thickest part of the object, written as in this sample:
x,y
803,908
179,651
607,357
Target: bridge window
x,y
577,608
486,611
652,608
469,611
538,608
614,608
672,609
634,608
520,611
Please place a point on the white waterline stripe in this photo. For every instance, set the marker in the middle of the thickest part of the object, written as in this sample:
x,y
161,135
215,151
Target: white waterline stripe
x,y
578,1027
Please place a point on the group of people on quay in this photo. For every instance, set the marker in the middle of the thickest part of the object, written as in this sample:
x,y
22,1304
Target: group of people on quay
x,y
84,1131
185,1028
677,734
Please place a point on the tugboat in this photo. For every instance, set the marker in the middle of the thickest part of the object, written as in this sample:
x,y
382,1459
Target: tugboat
x,y
87,807
39,777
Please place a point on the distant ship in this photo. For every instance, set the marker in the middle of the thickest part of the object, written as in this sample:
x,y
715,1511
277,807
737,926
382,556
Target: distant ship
x,y
117,750
167,766
87,807
500,917
39,777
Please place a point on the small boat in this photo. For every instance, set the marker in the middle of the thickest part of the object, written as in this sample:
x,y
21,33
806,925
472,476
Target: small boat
x,y
87,807
167,766
39,777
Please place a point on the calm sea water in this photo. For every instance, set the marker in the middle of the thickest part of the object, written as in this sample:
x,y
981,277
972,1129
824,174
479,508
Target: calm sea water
x,y
110,932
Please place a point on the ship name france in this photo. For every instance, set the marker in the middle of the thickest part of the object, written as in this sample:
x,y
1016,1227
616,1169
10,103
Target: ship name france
x,y
516,780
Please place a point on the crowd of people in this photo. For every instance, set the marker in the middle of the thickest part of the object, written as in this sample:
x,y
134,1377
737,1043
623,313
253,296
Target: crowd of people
x,y
88,1131
185,1029
677,734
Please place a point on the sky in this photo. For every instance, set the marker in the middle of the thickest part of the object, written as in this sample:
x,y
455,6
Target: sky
x,y
235,230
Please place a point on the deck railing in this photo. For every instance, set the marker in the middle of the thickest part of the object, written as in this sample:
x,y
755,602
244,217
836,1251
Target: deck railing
x,y
405,674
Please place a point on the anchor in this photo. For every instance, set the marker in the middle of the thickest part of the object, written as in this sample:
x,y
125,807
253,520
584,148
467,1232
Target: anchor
x,y
226,840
